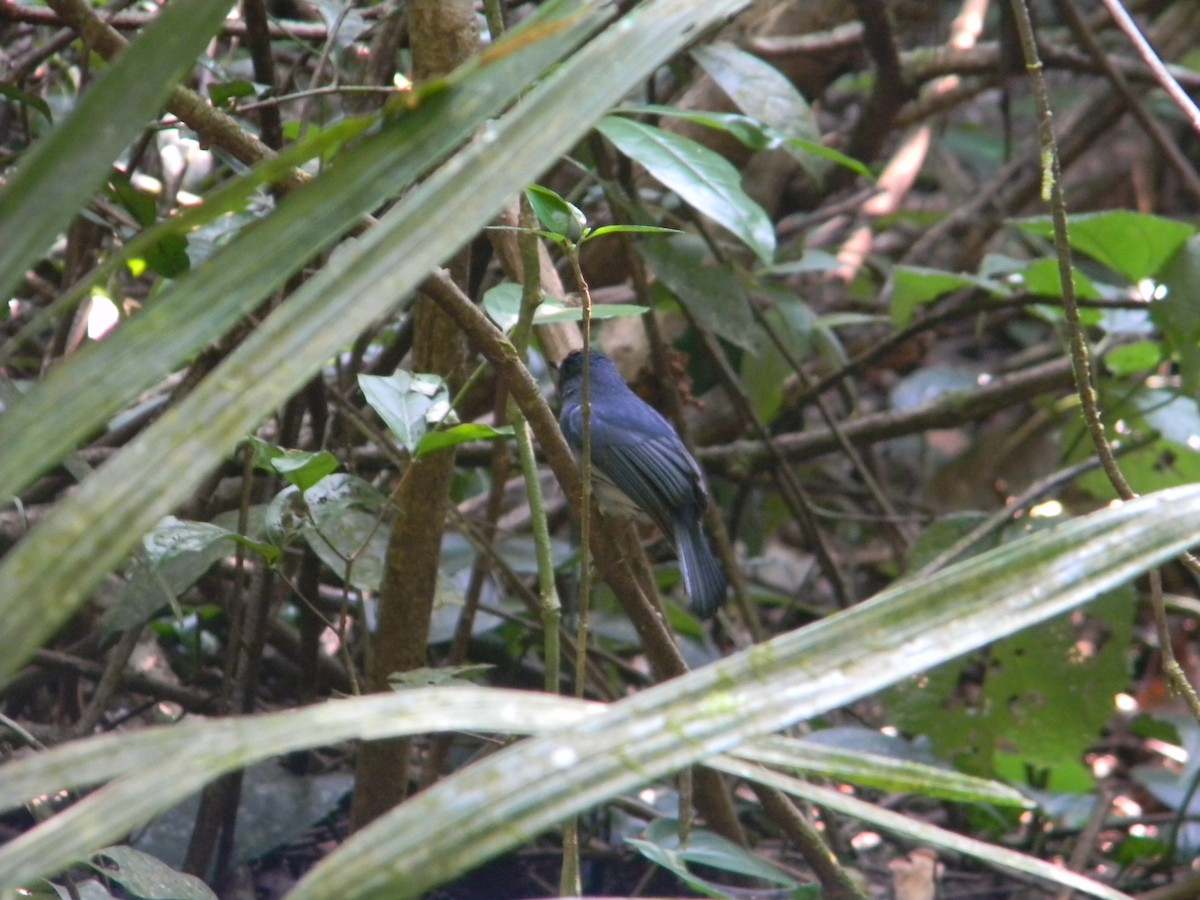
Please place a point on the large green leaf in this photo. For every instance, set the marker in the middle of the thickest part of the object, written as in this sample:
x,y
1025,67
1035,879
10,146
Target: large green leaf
x,y
1027,719
867,766
409,404
704,179
593,753
711,291
913,286
1131,243
59,174
205,750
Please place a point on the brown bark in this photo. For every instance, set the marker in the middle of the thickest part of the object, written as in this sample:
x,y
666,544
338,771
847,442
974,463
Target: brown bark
x,y
443,35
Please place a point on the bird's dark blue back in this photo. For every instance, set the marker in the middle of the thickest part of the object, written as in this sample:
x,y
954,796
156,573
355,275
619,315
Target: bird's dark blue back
x,y
642,468
632,444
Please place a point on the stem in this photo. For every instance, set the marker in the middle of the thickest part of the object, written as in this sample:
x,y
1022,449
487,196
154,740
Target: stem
x,y
571,880
1052,193
586,467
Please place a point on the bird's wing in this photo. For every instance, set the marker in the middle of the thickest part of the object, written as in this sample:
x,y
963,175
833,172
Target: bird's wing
x,y
654,474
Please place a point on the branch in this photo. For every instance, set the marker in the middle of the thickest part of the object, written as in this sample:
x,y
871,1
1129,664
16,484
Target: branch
x,y
951,410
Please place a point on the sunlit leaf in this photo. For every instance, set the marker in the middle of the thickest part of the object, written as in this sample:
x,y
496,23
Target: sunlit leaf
x,y
461,434
407,403
556,214
1134,244
701,177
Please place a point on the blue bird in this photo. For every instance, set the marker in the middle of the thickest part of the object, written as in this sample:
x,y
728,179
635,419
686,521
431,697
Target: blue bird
x,y
641,469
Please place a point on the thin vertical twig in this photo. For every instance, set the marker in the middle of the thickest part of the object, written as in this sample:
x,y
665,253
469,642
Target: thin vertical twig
x,y
1052,194
1161,74
1166,144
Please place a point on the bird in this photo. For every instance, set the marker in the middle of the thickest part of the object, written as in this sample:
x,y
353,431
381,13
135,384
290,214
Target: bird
x,y
642,470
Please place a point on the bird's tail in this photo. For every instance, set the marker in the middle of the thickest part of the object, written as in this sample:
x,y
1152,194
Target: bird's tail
x,y
702,575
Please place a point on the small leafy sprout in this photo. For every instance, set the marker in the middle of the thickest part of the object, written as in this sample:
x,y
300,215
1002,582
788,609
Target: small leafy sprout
x,y
565,224
418,412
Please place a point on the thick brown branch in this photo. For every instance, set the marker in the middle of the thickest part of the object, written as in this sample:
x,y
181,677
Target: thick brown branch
x,y
952,410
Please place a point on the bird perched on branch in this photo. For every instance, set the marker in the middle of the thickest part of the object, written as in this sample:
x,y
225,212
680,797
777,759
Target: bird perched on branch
x,y
641,469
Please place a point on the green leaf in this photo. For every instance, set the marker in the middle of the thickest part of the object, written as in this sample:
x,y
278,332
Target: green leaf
x,y
661,845
1138,849
222,92
810,261
66,167
1041,278
1133,244
1129,359
554,312
147,877
168,256
353,546
556,215
302,468
461,434
332,496
867,758
753,134
305,469
702,178
1040,717
137,203
814,148
630,229
1177,313
749,131
914,286
175,555
765,375
24,97
710,291
794,318
442,676
759,89
945,531
502,303
408,404
764,93
1174,416
344,526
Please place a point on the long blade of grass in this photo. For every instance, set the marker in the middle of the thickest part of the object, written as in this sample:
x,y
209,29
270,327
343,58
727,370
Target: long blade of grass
x,y
519,792
593,753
